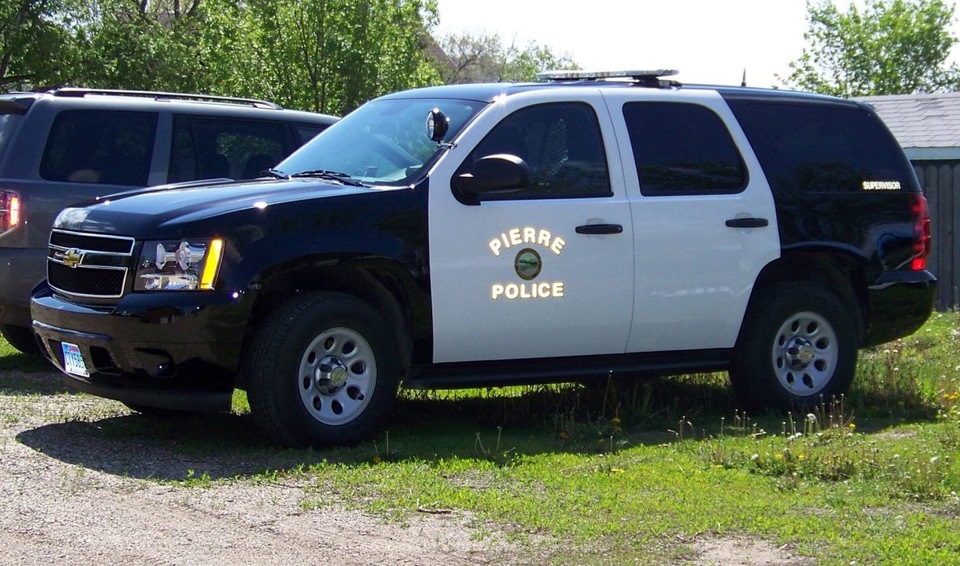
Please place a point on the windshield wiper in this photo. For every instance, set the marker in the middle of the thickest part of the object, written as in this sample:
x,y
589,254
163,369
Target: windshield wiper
x,y
275,173
330,176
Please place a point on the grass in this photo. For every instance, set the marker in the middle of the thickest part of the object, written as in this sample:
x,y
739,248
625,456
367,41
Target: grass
x,y
12,359
637,471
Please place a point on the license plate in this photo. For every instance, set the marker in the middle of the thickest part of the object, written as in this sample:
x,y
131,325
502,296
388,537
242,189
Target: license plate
x,y
73,360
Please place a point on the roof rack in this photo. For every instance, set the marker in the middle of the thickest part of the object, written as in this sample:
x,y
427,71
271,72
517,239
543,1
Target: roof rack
x,y
648,78
158,95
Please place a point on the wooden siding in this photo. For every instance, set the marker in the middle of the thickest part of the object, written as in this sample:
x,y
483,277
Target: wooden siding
x,y
941,184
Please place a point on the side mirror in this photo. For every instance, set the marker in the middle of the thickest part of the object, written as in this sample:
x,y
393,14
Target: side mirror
x,y
438,124
501,173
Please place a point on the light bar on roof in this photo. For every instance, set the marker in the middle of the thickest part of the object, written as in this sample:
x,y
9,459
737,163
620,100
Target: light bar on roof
x,y
581,75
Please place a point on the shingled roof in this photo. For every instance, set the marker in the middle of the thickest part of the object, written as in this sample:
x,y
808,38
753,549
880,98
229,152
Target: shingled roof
x,y
926,125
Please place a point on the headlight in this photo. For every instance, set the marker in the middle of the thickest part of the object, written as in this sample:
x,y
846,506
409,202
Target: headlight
x,y
189,265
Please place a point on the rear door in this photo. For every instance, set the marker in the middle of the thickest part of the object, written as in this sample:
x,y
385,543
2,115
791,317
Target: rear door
x,y
704,223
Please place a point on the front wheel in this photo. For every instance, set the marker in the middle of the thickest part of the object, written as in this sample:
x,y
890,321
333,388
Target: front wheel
x,y
798,346
322,371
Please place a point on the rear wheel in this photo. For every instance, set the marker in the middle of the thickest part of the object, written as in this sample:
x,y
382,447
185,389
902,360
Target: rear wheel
x,y
322,371
798,346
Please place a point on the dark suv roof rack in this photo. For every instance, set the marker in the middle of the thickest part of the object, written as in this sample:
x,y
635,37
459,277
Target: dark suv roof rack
x,y
158,95
649,78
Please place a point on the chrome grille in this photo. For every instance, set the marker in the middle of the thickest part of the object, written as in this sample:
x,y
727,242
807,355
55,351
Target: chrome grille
x,y
89,265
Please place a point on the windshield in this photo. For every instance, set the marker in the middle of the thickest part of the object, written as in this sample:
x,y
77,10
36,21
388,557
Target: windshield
x,y
384,142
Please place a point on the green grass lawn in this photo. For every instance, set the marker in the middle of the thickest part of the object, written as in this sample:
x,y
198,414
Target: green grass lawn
x,y
634,471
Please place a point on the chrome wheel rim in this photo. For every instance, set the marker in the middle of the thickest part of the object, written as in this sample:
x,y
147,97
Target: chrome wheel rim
x,y
338,372
805,354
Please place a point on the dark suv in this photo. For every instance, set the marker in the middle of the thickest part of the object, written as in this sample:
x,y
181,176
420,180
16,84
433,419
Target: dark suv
x,y
69,145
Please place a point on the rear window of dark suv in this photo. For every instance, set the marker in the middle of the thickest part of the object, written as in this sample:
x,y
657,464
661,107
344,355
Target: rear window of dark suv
x,y
9,121
822,148
100,146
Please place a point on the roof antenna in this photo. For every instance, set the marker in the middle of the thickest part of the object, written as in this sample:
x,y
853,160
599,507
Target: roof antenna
x,y
743,82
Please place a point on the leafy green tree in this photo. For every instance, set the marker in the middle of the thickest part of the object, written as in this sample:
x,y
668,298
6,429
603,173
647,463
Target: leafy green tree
x,y
35,43
890,47
141,44
470,58
333,55
323,55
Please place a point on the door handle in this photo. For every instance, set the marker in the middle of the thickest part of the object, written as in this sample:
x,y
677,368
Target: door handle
x,y
748,223
594,229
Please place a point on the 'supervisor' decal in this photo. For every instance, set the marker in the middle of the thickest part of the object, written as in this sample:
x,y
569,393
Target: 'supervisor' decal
x,y
530,244
881,185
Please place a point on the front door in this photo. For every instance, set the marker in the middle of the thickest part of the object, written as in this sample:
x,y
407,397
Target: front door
x,y
546,271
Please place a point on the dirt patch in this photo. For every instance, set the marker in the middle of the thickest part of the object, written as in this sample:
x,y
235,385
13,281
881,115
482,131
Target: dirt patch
x,y
72,494
745,551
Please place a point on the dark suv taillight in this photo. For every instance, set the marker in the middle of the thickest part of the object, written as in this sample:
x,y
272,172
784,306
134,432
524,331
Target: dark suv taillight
x,y
921,232
9,210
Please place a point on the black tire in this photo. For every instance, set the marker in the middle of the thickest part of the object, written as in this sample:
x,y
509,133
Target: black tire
x,y
21,338
322,371
797,346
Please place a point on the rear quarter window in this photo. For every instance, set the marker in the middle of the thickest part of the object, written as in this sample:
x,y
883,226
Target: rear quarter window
x,y
823,148
100,146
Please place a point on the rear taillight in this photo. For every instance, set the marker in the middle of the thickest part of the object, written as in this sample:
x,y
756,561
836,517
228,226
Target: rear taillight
x,y
921,232
9,210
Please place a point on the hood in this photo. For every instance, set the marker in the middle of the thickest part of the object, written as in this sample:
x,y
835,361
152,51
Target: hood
x,y
169,210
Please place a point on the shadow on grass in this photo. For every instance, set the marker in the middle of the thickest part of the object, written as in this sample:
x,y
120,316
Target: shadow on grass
x,y
20,381
20,362
498,425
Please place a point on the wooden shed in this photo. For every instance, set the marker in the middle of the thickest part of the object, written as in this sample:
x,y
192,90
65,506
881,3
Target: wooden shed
x,y
928,128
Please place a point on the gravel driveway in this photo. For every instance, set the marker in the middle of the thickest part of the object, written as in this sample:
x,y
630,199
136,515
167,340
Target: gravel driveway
x,y
72,492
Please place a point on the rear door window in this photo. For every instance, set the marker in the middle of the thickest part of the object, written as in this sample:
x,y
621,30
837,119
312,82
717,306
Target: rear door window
x,y
208,148
8,126
682,149
100,146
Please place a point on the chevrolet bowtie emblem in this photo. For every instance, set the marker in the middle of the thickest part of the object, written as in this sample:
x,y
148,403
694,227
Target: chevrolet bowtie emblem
x,y
72,257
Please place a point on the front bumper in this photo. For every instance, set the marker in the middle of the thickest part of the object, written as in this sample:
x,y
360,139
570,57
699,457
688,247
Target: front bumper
x,y
174,350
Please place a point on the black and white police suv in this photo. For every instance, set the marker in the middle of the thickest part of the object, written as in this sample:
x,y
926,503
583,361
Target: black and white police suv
x,y
496,234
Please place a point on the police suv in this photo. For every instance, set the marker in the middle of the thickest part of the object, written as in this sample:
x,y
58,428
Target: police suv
x,y
589,225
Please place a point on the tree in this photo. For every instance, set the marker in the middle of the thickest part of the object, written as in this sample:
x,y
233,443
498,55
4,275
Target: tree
x,y
484,58
333,55
322,55
35,43
891,47
141,44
